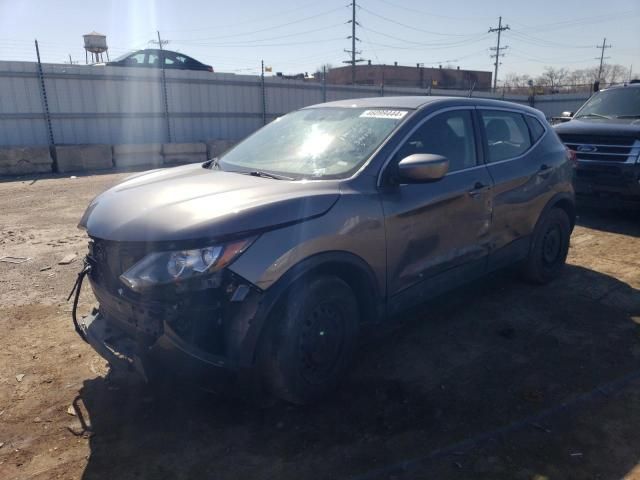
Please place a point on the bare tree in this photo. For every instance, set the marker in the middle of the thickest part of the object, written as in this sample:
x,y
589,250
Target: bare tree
x,y
517,83
578,77
616,73
553,77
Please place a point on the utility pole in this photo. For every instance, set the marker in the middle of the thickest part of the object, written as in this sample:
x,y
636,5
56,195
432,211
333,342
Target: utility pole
x,y
353,52
602,57
263,91
47,113
164,88
497,49
324,83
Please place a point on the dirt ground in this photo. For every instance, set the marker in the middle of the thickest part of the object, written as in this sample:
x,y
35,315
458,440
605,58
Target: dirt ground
x,y
498,380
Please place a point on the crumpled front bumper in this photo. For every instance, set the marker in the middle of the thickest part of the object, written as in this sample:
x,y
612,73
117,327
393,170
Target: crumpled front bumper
x,y
168,354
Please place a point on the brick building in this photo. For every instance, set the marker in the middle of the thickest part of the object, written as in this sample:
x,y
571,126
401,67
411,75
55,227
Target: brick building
x,y
405,76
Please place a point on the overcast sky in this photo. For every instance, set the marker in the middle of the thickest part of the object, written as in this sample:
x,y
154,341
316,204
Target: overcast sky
x,y
300,36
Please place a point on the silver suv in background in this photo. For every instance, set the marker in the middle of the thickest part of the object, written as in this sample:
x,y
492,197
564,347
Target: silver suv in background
x,y
259,269
605,136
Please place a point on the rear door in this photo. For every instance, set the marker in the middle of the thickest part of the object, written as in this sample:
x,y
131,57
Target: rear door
x,y
523,179
436,232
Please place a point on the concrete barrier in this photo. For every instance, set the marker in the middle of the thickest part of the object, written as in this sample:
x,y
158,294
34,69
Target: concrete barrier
x,y
136,155
216,148
178,153
72,158
25,160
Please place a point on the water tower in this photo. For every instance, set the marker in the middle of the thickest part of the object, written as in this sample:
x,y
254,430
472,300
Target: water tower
x,y
96,44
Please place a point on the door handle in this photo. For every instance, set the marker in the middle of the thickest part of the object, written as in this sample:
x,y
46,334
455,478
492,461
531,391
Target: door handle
x,y
545,170
477,189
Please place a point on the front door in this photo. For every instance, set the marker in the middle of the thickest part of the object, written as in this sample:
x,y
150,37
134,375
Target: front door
x,y
437,231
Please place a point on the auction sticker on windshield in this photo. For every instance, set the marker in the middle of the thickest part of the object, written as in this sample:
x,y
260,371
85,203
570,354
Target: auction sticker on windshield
x,y
395,114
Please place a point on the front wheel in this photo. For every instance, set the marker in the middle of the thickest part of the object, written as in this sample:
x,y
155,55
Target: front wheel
x,y
549,248
310,339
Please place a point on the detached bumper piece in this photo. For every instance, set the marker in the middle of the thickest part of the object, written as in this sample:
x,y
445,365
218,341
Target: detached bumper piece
x,y
112,344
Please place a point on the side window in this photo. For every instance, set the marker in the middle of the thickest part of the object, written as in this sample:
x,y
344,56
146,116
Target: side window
x,y
449,134
535,127
182,60
136,59
507,134
153,59
169,59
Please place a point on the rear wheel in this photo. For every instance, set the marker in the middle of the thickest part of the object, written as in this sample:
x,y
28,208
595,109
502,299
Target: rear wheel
x,y
549,247
310,339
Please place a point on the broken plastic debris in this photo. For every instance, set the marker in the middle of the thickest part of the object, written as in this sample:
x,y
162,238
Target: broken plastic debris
x,y
67,259
71,410
19,377
10,259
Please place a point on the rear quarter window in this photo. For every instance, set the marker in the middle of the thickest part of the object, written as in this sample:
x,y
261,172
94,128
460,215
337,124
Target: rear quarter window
x,y
535,128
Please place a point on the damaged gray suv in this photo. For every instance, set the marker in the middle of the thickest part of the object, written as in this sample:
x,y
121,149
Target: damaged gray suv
x,y
259,270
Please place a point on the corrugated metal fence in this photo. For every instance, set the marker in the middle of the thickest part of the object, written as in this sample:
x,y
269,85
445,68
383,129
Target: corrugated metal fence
x,y
112,105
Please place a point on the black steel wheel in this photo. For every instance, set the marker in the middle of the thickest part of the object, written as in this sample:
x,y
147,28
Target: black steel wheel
x,y
549,247
311,339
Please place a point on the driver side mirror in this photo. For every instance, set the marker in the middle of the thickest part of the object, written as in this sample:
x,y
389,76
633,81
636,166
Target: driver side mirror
x,y
422,167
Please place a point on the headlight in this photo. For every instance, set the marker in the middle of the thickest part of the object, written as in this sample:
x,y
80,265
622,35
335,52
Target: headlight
x,y
161,268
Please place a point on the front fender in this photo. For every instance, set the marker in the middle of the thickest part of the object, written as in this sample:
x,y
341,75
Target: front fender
x,y
250,327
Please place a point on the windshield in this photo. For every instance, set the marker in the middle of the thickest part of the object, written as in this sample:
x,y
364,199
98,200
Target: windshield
x,y
124,55
617,102
314,143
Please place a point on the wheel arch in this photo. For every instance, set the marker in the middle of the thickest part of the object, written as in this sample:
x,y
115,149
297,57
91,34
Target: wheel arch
x,y
347,266
566,202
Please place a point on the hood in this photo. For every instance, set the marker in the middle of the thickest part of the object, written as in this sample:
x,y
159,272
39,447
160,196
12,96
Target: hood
x,y
620,127
195,203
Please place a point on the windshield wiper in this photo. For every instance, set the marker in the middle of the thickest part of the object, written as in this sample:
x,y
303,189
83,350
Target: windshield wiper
x,y
628,116
260,173
597,115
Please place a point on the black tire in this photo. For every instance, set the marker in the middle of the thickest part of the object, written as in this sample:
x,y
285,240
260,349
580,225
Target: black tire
x,y
549,247
310,339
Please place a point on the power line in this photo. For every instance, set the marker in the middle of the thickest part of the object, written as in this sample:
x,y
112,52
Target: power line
x,y
431,14
539,42
382,17
456,43
497,49
581,21
261,19
353,52
243,34
552,60
602,57
258,40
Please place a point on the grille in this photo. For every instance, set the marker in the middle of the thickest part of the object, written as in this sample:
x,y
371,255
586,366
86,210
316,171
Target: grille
x,y
603,148
113,259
